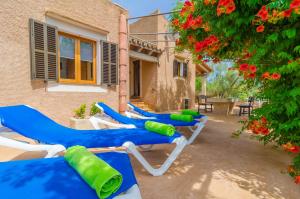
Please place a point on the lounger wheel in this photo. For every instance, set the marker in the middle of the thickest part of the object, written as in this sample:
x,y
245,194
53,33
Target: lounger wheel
x,y
146,147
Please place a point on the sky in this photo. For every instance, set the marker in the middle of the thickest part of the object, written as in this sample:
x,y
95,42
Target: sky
x,y
145,7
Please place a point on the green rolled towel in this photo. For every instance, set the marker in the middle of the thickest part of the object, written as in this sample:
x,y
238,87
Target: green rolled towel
x,y
180,117
160,128
99,175
189,112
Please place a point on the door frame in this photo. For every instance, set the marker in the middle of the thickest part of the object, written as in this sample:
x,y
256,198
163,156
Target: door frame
x,y
140,77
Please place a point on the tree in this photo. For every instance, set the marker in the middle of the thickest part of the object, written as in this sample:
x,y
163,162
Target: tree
x,y
262,38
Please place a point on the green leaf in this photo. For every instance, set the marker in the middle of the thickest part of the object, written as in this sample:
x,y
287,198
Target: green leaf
x,y
297,49
272,38
290,33
284,55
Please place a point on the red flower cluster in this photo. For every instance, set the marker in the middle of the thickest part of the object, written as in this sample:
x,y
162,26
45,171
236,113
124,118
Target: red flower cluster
x,y
249,71
208,2
178,42
192,22
260,28
297,179
176,22
263,13
265,16
259,126
207,42
274,76
188,7
225,6
191,39
291,148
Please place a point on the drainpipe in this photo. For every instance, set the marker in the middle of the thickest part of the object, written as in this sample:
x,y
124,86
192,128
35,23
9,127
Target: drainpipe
x,y
123,64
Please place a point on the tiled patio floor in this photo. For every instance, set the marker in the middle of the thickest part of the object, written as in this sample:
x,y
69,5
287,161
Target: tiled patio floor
x,y
216,166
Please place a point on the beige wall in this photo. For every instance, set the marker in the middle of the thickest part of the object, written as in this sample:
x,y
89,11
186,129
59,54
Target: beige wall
x,y
170,91
16,86
149,83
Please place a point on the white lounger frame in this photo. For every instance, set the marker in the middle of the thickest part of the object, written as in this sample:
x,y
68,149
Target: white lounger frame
x,y
180,142
196,129
53,151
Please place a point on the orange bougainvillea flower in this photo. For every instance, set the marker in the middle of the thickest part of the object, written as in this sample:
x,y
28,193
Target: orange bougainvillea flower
x,y
175,22
252,68
207,2
295,4
252,75
291,169
266,75
275,76
188,7
230,8
244,67
191,39
291,148
287,13
263,13
260,28
178,42
264,120
297,179
225,6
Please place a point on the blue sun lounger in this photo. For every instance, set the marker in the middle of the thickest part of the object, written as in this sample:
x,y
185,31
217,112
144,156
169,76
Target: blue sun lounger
x,y
34,125
140,123
154,115
54,178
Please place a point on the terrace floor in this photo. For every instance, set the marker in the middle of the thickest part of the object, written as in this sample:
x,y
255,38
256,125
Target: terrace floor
x,y
215,166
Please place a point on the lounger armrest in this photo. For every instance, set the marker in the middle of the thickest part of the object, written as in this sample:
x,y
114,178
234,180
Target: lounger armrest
x,y
133,115
130,107
97,120
133,192
52,150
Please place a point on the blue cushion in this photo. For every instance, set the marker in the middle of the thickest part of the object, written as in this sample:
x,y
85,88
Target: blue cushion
x,y
33,124
140,123
55,179
156,115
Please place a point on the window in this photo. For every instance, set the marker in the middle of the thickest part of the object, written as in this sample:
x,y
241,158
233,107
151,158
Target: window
x,y
77,58
180,69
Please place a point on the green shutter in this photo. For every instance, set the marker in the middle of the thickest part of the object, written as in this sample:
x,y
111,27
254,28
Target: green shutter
x,y
43,47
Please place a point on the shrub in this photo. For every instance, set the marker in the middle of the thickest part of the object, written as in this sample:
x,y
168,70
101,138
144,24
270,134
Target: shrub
x,y
261,38
80,112
94,109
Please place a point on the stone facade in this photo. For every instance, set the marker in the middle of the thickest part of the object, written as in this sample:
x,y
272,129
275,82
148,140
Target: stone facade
x,y
162,91
16,86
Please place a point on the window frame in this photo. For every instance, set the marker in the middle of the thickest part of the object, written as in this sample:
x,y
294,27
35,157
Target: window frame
x,y
180,69
77,79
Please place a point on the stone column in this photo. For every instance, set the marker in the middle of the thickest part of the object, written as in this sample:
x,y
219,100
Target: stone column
x,y
123,64
204,80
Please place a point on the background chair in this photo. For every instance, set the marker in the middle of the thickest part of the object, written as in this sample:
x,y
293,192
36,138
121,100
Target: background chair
x,y
208,107
247,108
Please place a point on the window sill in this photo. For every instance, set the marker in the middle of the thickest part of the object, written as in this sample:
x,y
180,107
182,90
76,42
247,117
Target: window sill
x,y
75,88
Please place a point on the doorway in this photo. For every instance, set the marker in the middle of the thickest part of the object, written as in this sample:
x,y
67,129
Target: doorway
x,y
136,79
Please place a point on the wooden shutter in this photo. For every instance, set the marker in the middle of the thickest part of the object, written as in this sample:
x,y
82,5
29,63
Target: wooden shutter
x,y
43,40
110,63
185,69
175,68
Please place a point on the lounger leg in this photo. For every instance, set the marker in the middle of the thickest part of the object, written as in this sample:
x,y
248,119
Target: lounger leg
x,y
180,144
197,131
132,193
